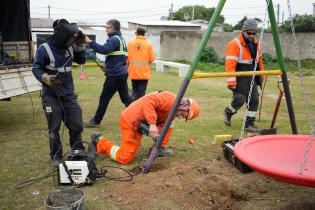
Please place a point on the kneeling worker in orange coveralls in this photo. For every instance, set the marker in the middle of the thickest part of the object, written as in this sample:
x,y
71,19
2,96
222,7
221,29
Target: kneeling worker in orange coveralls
x,y
152,108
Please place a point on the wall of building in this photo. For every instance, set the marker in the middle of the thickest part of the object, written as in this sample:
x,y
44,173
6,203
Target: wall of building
x,y
183,45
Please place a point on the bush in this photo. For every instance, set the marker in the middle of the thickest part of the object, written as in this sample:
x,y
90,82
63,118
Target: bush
x,y
268,59
208,55
302,23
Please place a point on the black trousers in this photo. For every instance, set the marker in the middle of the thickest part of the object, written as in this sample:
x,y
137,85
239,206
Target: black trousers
x,y
240,95
138,88
66,109
110,87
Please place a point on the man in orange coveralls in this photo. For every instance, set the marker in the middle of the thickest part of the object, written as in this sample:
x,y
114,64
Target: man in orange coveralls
x,y
153,108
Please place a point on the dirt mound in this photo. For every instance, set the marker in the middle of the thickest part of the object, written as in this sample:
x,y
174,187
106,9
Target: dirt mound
x,y
207,184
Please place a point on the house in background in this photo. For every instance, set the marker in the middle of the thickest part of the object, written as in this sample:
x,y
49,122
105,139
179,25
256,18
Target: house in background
x,y
156,27
204,25
41,30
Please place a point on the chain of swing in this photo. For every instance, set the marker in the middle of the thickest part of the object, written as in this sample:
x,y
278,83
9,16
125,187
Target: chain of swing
x,y
255,68
304,92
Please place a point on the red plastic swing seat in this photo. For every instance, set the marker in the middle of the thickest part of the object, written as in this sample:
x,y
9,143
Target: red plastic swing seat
x,y
280,157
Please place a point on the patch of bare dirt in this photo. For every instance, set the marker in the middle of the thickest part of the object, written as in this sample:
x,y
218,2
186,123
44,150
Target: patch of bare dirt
x,y
207,184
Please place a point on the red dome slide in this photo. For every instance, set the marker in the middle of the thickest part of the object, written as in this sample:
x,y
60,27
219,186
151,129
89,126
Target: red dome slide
x,y
280,157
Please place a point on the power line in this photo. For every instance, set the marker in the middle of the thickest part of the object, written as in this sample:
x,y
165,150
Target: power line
x,y
107,12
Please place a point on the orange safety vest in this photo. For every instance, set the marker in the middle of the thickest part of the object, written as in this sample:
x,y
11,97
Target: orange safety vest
x,y
238,58
140,55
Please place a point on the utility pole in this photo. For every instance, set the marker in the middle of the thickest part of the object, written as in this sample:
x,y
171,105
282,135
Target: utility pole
x,y
171,11
48,11
193,13
278,14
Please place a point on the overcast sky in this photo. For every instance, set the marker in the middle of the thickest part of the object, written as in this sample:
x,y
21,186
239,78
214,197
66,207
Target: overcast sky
x,y
99,11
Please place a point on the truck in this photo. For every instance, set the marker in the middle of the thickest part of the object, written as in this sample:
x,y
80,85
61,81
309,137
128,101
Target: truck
x,y
16,50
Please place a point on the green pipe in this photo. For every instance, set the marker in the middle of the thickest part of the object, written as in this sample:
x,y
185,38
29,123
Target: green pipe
x,y
205,37
280,60
190,72
183,87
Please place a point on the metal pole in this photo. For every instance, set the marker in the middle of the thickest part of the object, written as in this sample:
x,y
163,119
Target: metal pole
x,y
184,86
236,74
282,67
48,11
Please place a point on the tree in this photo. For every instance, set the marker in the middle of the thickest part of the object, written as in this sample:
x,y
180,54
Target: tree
x,y
227,27
200,12
239,25
302,23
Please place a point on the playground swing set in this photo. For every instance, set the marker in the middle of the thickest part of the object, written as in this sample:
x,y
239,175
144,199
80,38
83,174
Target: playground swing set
x,y
285,157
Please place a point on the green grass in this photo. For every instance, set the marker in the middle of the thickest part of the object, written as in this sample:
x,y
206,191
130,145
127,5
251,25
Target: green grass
x,y
24,143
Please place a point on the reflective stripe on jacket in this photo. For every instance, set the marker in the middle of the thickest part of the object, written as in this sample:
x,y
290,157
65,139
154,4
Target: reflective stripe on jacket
x,y
116,60
238,58
122,46
54,61
140,55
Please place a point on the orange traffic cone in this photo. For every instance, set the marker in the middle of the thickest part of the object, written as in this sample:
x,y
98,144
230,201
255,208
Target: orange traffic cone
x,y
83,74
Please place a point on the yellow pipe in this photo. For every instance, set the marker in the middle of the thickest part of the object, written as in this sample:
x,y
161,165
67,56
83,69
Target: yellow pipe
x,y
86,65
236,74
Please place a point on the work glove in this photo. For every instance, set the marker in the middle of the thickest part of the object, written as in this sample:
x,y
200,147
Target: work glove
x,y
79,44
51,80
232,87
154,132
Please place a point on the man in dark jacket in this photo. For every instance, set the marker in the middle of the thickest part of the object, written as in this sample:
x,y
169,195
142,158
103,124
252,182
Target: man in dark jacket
x,y
53,68
115,69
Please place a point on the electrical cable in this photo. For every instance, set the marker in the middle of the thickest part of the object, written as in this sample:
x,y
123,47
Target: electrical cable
x,y
33,181
28,93
119,178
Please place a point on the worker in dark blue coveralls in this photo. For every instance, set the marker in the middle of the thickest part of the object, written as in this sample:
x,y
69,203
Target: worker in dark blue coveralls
x,y
53,68
116,70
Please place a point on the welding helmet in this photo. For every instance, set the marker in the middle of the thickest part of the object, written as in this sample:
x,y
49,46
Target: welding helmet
x,y
65,33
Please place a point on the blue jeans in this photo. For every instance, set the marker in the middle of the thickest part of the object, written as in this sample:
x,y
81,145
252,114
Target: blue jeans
x,y
112,84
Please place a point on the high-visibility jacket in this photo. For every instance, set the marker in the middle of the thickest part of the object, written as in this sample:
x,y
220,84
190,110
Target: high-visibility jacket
x,y
140,55
238,58
54,61
115,50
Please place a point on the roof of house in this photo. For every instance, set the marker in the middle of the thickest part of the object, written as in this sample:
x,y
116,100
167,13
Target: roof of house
x,y
164,23
41,22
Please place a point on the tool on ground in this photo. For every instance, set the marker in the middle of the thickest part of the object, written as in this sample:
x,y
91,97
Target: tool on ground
x,y
275,113
221,138
272,129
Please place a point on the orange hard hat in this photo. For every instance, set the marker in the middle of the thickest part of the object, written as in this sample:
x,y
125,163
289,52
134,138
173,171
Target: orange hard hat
x,y
194,109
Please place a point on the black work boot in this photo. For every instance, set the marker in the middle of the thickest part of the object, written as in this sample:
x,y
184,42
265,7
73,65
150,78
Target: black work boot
x,y
250,126
95,136
227,116
165,152
91,123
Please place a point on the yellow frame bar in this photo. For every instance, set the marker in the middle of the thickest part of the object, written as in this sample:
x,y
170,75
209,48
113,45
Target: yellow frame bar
x,y
236,74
